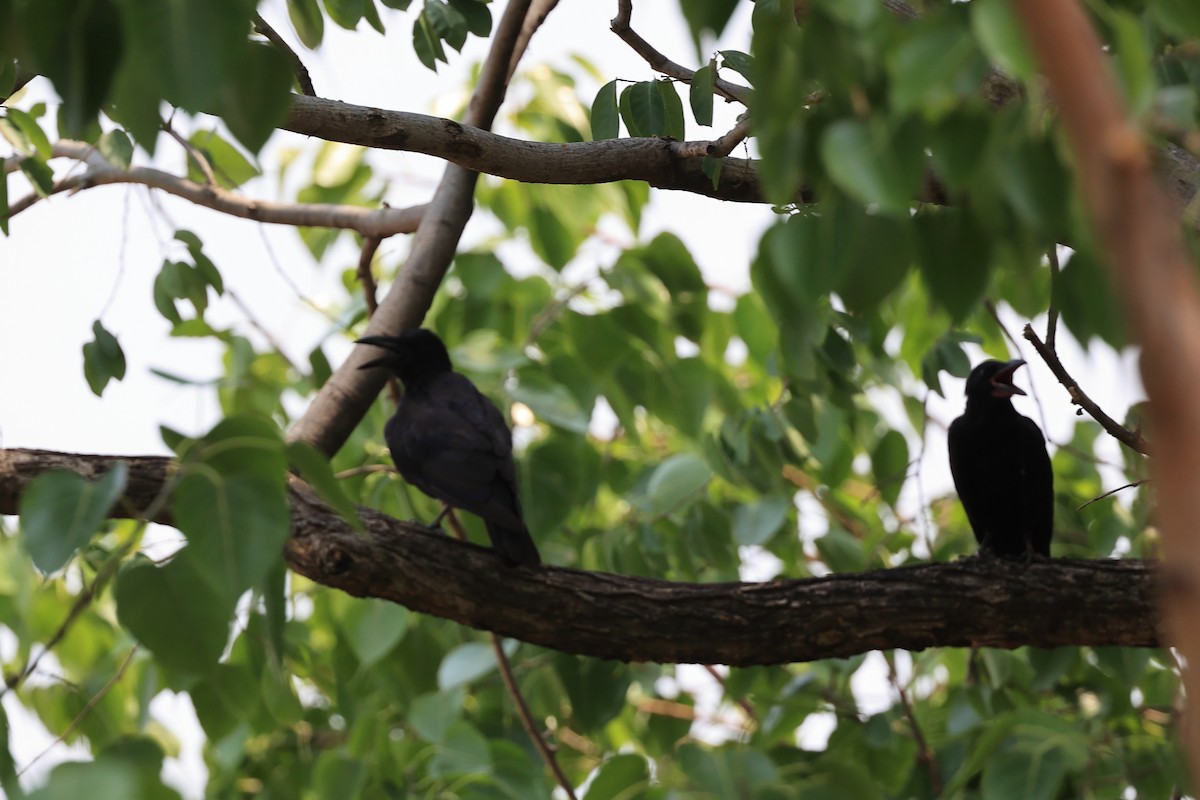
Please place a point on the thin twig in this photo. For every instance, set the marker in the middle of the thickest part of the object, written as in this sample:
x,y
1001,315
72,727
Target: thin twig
x,y
87,709
1133,485
302,76
514,691
365,469
258,326
924,754
534,17
193,153
367,278
660,63
742,702
1052,316
1131,439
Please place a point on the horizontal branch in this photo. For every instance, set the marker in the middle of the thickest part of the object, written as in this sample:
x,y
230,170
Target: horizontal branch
x,y
656,161
374,222
967,603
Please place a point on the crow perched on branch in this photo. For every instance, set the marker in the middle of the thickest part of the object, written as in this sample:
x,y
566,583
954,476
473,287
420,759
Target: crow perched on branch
x,y
451,442
1000,467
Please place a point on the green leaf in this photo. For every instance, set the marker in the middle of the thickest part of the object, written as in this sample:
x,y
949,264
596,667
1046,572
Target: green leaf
x,y
673,123
447,23
955,259
1135,63
256,103
372,628
433,713
39,174
61,511
642,109
79,47
426,43
345,13
99,780
619,778
934,70
1180,16
103,359
174,611
861,161
314,468
476,14
550,401
889,463
116,148
464,751
4,204
739,62
998,32
596,689
755,523
675,480
605,119
701,94
707,16
1014,773
308,21
8,773
33,132
232,169
467,662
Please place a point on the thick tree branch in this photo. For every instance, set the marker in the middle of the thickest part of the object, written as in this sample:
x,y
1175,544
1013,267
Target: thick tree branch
x,y
1137,229
376,222
344,399
967,603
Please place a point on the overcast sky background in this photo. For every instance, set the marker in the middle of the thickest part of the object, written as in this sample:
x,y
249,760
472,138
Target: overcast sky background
x,y
74,258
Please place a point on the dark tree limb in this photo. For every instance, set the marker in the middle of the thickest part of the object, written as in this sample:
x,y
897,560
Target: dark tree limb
x,y
1131,439
303,80
966,603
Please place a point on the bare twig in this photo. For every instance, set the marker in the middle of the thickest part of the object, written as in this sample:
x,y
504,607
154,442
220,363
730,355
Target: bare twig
x,y
253,321
514,691
367,278
924,754
660,63
87,709
1133,485
193,154
365,469
368,222
742,702
1052,316
1131,439
302,76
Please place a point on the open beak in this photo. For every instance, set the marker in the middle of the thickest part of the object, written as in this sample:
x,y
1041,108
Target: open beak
x,y
1002,385
378,341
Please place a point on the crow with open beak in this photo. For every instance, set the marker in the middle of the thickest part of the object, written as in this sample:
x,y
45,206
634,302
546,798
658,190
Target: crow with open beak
x,y
1000,466
451,442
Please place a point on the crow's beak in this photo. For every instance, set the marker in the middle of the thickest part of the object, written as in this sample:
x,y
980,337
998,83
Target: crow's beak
x,y
387,343
1002,385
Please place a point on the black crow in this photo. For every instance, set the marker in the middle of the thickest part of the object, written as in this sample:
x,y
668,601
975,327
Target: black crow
x,y
1000,467
451,442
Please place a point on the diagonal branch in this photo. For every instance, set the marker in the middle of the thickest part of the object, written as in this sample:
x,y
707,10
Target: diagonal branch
x,y
302,76
621,27
377,222
344,399
1131,439
967,603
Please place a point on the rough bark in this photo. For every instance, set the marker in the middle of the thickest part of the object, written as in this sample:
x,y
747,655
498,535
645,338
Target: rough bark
x,y
970,602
